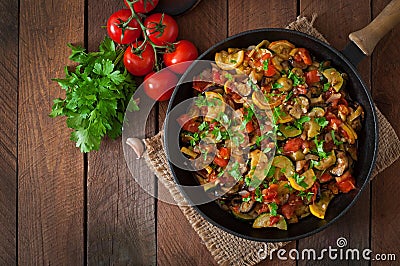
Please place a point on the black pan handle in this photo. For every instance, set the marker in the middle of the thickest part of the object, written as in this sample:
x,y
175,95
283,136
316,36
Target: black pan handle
x,y
367,38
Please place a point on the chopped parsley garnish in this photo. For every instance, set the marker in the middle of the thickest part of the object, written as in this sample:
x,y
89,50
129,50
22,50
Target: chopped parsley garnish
x,y
246,199
219,134
300,180
287,98
267,149
235,172
320,148
327,86
247,180
307,195
221,173
247,118
322,121
195,138
258,195
229,76
252,85
273,208
203,126
337,143
296,80
277,113
233,61
288,186
265,64
277,86
313,163
299,122
259,139
201,101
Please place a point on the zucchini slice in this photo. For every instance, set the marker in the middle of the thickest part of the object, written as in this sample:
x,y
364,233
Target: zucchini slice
x,y
263,220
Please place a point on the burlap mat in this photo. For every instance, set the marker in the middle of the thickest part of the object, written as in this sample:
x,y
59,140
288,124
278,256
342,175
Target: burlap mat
x,y
228,249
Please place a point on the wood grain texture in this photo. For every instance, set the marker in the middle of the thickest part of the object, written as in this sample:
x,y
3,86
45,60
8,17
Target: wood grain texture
x,y
248,15
121,219
354,225
385,80
50,168
8,134
205,25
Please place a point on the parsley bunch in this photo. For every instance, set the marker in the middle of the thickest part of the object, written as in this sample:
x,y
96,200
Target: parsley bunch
x,y
98,91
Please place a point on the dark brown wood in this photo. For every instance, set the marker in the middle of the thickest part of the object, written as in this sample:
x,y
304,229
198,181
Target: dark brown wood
x,y
121,219
50,168
8,135
385,211
175,247
354,226
248,15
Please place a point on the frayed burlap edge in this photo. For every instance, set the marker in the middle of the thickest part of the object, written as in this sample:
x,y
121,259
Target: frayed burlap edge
x,y
228,249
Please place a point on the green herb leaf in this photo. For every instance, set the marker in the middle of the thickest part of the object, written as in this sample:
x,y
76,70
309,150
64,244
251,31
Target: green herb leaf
x,y
299,122
98,91
300,180
322,121
258,195
265,64
296,79
273,208
335,141
326,86
277,86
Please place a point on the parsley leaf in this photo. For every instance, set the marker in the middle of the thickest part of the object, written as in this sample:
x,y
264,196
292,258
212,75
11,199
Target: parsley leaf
x,y
258,195
326,86
296,79
273,208
300,180
322,121
277,86
320,148
265,64
334,138
299,122
98,91
235,172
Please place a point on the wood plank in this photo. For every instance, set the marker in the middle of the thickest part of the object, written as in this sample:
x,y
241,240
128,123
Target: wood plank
x,y
248,15
354,226
385,209
8,135
173,246
50,168
121,219
260,17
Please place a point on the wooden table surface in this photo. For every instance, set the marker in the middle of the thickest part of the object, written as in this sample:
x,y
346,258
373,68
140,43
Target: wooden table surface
x,y
60,207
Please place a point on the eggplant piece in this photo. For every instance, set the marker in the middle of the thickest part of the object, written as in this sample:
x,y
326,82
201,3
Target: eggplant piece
x,y
263,220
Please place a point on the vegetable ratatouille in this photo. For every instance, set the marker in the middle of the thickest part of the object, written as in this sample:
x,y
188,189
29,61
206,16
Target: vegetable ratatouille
x,y
276,133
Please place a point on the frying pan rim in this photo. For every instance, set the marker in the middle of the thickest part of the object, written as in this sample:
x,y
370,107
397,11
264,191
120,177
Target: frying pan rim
x,y
374,120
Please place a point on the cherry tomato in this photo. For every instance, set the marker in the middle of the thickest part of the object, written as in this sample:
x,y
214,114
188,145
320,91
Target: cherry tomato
x,y
249,127
325,177
288,211
115,31
293,145
273,220
305,56
160,86
161,28
271,70
141,8
312,77
221,161
346,182
139,65
224,153
184,51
